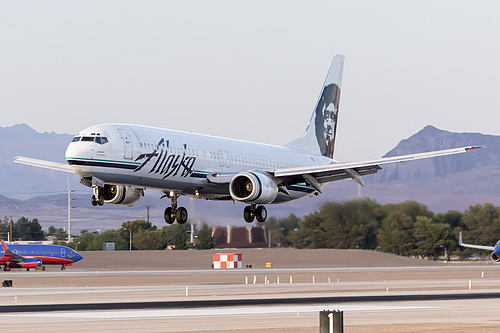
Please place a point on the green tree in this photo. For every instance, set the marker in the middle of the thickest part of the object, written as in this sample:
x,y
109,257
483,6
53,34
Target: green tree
x,y
204,240
395,235
4,228
149,240
280,229
60,234
133,227
176,235
430,237
27,230
94,241
340,225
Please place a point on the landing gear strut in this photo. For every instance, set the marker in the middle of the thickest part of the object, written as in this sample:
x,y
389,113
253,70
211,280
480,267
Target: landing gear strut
x,y
172,213
253,211
97,198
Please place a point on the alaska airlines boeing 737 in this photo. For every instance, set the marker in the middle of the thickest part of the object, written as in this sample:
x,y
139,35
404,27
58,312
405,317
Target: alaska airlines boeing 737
x,y
120,161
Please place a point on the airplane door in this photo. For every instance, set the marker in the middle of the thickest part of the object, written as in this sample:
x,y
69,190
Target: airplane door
x,y
224,159
127,144
221,158
63,253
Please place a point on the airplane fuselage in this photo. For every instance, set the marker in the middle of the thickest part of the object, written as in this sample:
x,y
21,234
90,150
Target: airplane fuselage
x,y
34,255
183,162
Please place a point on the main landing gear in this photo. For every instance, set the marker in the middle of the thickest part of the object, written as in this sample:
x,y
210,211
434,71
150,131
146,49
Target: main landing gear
x,y
253,211
172,213
97,198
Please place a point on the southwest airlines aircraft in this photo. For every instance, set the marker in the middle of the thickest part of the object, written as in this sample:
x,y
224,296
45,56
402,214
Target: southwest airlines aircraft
x,y
35,255
495,254
120,161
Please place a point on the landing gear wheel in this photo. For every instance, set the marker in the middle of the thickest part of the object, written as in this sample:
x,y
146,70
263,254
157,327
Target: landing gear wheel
x,y
261,214
182,215
248,214
63,268
94,200
6,268
100,199
169,217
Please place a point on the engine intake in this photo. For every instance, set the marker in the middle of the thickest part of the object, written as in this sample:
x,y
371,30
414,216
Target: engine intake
x,y
253,187
494,257
121,195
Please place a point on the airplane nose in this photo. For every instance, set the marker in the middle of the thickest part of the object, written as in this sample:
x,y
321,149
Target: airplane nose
x,y
76,150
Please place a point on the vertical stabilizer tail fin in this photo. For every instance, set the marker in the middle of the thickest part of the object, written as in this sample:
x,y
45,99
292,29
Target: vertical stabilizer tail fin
x,y
320,134
5,248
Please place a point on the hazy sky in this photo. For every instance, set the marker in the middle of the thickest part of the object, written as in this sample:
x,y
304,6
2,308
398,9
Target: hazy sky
x,y
252,70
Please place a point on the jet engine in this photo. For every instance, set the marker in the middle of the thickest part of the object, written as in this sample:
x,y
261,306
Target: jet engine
x,y
253,187
494,257
121,195
28,262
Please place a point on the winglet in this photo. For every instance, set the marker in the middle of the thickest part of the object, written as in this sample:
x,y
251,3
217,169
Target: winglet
x,y
460,239
474,147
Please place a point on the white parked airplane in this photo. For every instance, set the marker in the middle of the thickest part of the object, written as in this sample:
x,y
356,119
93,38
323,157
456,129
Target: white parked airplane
x,y
495,250
119,161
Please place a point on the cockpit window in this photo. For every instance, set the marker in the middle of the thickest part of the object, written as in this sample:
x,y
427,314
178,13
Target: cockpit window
x,y
76,139
97,139
101,140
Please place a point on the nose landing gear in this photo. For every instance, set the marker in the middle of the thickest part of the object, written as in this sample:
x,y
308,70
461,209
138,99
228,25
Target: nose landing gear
x,y
253,211
172,213
97,198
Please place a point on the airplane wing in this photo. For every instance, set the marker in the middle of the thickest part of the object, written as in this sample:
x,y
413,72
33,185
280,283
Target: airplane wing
x,y
318,175
11,256
43,164
480,247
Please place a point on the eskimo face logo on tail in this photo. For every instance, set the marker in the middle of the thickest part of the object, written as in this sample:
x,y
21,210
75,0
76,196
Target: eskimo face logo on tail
x,y
168,165
326,119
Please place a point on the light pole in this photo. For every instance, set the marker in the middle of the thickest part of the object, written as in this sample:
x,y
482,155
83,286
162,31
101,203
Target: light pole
x,y
76,247
130,238
445,254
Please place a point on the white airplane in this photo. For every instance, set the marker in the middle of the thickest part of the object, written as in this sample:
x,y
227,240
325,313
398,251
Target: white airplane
x,y
495,250
120,161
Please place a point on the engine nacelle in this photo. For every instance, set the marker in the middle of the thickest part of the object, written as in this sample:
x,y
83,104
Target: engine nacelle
x,y
28,262
121,195
253,187
494,257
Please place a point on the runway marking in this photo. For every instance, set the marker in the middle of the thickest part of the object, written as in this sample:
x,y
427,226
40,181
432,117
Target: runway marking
x,y
251,270
214,312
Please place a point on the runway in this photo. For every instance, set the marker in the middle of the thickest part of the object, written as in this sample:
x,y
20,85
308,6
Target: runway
x,y
385,299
